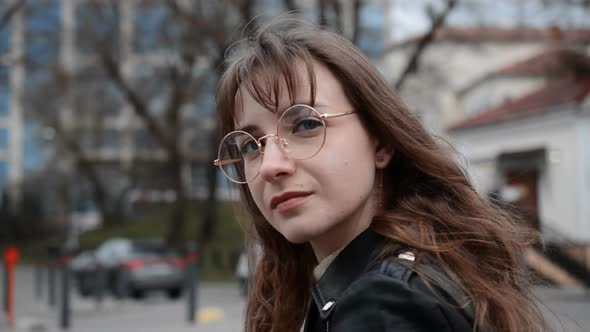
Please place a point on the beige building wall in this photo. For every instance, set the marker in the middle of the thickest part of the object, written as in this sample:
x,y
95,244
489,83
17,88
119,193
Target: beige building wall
x,y
563,193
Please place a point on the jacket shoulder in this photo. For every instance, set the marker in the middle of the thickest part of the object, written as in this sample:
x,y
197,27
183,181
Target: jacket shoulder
x,y
394,269
392,295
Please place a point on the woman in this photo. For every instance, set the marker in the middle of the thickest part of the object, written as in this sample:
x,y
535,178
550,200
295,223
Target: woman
x,y
365,222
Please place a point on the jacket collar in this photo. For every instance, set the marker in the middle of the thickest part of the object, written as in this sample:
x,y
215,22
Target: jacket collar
x,y
350,263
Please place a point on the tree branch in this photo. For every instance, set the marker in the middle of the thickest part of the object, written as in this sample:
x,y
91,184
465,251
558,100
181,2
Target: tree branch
x,y
412,64
338,15
86,166
356,7
10,12
113,69
322,19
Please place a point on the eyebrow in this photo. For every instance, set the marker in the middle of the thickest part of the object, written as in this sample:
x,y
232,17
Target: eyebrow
x,y
248,128
251,128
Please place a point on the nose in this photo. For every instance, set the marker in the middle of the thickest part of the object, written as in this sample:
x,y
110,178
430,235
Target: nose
x,y
275,163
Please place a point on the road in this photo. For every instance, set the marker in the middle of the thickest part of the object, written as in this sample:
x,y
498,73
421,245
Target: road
x,y
220,309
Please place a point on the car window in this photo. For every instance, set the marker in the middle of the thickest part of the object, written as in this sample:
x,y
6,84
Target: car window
x,y
113,250
152,249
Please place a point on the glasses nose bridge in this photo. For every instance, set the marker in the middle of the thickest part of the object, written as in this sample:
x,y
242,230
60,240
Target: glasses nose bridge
x,y
276,137
281,142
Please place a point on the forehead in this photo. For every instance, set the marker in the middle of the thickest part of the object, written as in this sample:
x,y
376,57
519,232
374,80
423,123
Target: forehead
x,y
325,91
268,97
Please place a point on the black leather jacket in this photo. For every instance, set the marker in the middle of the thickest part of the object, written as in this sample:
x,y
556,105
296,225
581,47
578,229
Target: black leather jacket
x,y
356,294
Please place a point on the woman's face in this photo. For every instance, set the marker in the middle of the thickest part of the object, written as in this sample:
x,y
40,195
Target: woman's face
x,y
329,198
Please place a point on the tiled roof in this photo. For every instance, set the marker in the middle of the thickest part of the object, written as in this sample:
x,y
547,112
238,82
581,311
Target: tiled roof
x,y
555,61
504,34
556,92
513,34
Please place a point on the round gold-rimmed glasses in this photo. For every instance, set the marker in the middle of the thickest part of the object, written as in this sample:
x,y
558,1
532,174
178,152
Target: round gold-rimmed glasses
x,y
301,133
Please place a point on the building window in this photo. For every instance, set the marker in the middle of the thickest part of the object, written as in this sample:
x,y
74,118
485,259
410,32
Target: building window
x,y
3,174
4,91
42,32
4,103
152,83
144,140
85,137
96,97
156,30
97,23
4,32
4,138
371,36
198,142
111,138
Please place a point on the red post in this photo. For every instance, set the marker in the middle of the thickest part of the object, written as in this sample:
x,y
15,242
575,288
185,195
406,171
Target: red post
x,y
11,256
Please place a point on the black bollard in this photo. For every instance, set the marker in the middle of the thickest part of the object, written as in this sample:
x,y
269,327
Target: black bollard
x,y
53,254
99,284
4,288
38,281
64,321
122,283
51,284
192,284
192,274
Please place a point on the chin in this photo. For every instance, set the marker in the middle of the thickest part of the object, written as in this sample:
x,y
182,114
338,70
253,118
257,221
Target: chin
x,y
300,235
296,238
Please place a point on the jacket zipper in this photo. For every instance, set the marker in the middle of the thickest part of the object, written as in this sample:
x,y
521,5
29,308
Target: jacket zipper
x,y
327,326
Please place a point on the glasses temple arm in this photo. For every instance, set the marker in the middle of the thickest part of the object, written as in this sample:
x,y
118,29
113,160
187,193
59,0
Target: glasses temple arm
x,y
335,115
218,162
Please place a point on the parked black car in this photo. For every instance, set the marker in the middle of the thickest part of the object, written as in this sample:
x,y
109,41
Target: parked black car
x,y
131,268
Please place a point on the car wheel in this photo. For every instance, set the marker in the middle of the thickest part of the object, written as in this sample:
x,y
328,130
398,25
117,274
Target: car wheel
x,y
174,293
83,292
138,294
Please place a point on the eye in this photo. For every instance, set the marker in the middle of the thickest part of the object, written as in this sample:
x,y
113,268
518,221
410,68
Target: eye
x,y
249,148
307,126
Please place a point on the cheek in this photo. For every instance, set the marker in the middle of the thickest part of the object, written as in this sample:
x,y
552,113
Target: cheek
x,y
256,192
352,166
348,177
348,160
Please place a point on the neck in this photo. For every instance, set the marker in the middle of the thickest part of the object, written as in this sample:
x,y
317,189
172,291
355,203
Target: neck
x,y
341,235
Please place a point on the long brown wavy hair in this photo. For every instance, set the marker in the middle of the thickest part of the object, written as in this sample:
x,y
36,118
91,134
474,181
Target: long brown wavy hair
x,y
429,202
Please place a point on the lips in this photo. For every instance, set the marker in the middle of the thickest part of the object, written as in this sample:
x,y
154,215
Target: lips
x,y
282,198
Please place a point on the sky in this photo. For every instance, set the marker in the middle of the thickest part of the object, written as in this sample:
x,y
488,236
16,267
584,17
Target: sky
x,y
408,16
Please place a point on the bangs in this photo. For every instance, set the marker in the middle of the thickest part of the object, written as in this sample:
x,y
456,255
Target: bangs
x,y
265,72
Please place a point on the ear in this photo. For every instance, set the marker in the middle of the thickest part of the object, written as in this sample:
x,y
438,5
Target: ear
x,y
383,155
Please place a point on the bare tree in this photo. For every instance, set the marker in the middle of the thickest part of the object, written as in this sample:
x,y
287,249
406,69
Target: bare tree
x,y
43,104
203,32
